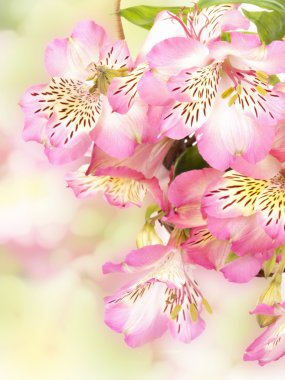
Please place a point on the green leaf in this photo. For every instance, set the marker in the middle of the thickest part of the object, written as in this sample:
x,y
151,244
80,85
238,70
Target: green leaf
x,y
273,5
190,159
270,25
144,15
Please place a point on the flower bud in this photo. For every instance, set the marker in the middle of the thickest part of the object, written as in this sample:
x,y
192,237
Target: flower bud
x,y
271,296
148,236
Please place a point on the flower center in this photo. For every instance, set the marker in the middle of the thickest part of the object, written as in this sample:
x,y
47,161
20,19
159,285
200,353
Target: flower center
x,y
101,77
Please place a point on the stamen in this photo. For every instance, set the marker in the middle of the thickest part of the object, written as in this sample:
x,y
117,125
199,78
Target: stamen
x,y
193,312
207,306
232,100
262,76
261,90
228,92
175,311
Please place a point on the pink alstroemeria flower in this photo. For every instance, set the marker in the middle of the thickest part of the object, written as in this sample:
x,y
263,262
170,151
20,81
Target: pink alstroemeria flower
x,y
270,345
124,182
224,84
236,197
163,296
149,78
62,113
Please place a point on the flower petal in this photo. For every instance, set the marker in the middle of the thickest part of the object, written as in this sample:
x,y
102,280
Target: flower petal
x,y
123,90
74,54
172,55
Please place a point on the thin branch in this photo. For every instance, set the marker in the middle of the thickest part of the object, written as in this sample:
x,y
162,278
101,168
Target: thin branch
x,y
120,29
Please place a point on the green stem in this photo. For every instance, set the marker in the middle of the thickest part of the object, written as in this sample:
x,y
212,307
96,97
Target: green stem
x,y
120,29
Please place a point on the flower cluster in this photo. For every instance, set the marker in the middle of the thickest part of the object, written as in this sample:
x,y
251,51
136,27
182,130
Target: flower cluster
x,y
200,92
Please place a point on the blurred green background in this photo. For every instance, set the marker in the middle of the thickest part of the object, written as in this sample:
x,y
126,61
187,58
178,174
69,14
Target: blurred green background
x,y
53,245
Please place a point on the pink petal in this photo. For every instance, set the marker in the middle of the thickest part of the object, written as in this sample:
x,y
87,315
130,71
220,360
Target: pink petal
x,y
116,56
122,92
77,52
186,198
139,259
164,27
243,269
140,324
244,136
172,55
278,148
234,19
264,169
152,84
245,234
204,249
118,134
269,346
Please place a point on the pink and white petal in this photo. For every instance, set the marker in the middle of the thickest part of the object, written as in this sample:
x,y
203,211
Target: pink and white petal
x,y
138,318
264,169
179,86
173,55
269,346
200,87
130,187
72,55
63,105
244,136
270,208
204,249
83,185
75,149
165,26
139,259
122,92
30,102
242,269
184,118
118,134
116,56
186,330
233,195
121,186
152,84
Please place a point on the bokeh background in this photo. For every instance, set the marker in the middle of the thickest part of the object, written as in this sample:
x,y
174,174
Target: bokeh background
x,y
53,245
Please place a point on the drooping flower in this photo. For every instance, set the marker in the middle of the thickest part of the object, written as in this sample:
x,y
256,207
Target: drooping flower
x,y
61,114
124,182
163,296
270,345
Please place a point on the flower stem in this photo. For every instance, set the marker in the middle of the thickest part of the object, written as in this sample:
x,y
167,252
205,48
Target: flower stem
x,y
120,29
